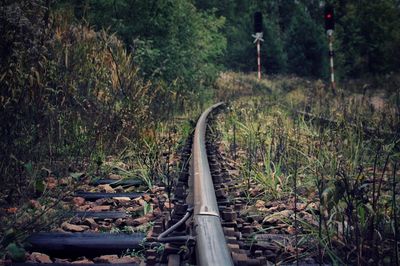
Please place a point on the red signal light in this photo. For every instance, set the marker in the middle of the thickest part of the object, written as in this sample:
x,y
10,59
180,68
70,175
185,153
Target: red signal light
x,y
329,18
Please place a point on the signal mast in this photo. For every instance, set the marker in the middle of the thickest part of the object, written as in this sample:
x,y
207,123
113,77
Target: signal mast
x,y
330,27
258,36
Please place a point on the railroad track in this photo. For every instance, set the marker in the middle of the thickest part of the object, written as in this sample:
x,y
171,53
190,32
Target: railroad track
x,y
211,246
212,203
204,227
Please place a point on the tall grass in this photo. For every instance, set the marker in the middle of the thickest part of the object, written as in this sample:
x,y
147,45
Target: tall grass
x,y
346,163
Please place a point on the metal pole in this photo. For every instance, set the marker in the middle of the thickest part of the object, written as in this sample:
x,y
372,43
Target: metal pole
x,y
259,59
258,39
331,55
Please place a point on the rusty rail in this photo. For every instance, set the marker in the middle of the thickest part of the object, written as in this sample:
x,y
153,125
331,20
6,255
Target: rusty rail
x,y
211,246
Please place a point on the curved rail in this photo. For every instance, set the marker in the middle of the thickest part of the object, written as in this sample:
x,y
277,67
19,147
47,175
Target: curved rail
x,y
211,247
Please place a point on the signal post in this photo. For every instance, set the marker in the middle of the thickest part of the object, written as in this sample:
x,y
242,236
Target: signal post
x,y
330,27
258,36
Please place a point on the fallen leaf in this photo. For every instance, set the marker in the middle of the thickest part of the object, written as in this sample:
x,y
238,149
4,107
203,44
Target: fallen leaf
x,y
51,182
260,204
140,201
128,259
100,208
83,208
61,261
91,222
146,197
115,177
12,210
107,259
122,199
141,220
73,227
119,189
278,216
168,205
77,175
156,189
65,181
106,188
35,204
291,230
78,201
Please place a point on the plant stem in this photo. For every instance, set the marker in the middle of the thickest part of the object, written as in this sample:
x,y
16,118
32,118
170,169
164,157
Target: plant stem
x,y
374,176
381,180
234,141
396,226
295,194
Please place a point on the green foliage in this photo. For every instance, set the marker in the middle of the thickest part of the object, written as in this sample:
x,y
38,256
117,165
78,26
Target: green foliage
x,y
16,252
305,45
188,52
368,36
346,173
272,50
290,35
170,40
66,91
24,56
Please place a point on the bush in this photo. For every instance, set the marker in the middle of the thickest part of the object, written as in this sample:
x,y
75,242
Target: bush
x,y
66,91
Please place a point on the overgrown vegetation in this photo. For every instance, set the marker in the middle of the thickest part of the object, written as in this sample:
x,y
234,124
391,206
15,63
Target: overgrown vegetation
x,y
169,40
346,166
77,94
71,97
69,92
97,87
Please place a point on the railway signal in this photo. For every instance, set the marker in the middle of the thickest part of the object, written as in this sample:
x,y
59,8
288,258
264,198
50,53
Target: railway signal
x,y
329,17
258,27
258,36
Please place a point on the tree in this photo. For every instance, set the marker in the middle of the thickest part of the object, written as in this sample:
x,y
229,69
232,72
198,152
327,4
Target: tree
x,y
273,52
305,45
369,38
171,40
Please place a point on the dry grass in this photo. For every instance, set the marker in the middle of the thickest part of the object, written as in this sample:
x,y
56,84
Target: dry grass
x,y
340,168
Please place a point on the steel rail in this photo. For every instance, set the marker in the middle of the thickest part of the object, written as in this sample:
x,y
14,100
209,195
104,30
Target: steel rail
x,y
211,246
